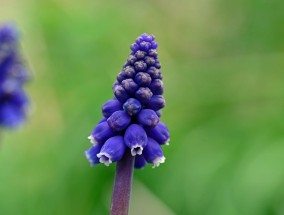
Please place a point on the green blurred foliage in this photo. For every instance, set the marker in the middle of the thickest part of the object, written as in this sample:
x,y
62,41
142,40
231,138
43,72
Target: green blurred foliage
x,y
223,65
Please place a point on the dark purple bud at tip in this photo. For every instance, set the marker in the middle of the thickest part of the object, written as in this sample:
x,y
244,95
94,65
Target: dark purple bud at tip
x,y
157,87
160,133
135,138
110,107
143,79
155,73
140,162
119,120
130,86
112,150
101,133
134,47
143,94
156,102
148,117
120,93
132,106
129,72
91,154
145,46
140,55
147,37
140,66
153,153
120,77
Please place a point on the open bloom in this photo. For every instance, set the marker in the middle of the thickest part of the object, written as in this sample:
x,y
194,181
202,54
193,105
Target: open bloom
x,y
131,120
13,76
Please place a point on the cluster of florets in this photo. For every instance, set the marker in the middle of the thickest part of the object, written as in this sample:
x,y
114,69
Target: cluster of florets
x,y
13,75
132,119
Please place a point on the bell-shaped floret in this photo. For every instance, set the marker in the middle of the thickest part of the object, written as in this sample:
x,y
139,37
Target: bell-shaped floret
x,y
153,153
130,86
135,138
143,94
91,154
120,93
160,133
140,162
143,79
148,117
119,120
110,107
101,133
157,87
112,150
156,102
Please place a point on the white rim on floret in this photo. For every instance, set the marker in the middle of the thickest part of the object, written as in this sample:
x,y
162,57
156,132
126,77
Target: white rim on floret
x,y
136,150
92,140
158,161
167,142
105,158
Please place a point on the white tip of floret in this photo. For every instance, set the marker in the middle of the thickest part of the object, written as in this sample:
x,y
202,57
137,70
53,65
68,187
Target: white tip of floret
x,y
158,161
167,142
136,150
92,140
105,158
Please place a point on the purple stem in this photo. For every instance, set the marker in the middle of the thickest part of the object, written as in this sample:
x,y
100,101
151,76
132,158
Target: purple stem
x,y
122,185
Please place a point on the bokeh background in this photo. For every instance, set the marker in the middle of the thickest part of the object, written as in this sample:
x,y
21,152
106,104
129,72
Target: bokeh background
x,y
223,65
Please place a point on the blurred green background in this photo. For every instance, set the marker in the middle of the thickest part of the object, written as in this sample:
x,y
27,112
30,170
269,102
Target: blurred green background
x,y
223,65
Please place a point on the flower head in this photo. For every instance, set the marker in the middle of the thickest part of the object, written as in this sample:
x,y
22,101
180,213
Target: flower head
x,y
132,119
13,76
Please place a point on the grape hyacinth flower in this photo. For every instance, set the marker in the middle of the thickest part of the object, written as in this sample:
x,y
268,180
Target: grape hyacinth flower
x,y
13,76
131,132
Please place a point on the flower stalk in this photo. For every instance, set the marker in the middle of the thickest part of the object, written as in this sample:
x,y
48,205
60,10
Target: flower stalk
x,y
122,185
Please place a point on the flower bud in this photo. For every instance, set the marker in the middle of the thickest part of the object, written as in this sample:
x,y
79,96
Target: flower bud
x,y
140,66
156,102
119,120
145,46
153,153
101,133
140,55
140,162
131,59
143,94
150,61
148,117
110,107
143,79
135,138
154,73
134,47
153,53
91,154
132,106
112,150
129,85
157,87
160,133
129,72
120,93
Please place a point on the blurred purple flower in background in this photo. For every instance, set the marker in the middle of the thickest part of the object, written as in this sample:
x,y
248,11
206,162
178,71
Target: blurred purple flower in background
x,y
13,76
132,118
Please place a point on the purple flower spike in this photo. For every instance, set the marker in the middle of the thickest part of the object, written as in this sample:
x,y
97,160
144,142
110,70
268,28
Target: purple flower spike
x,y
119,120
160,133
135,111
135,138
132,106
153,153
140,162
91,154
112,150
148,117
110,107
101,133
